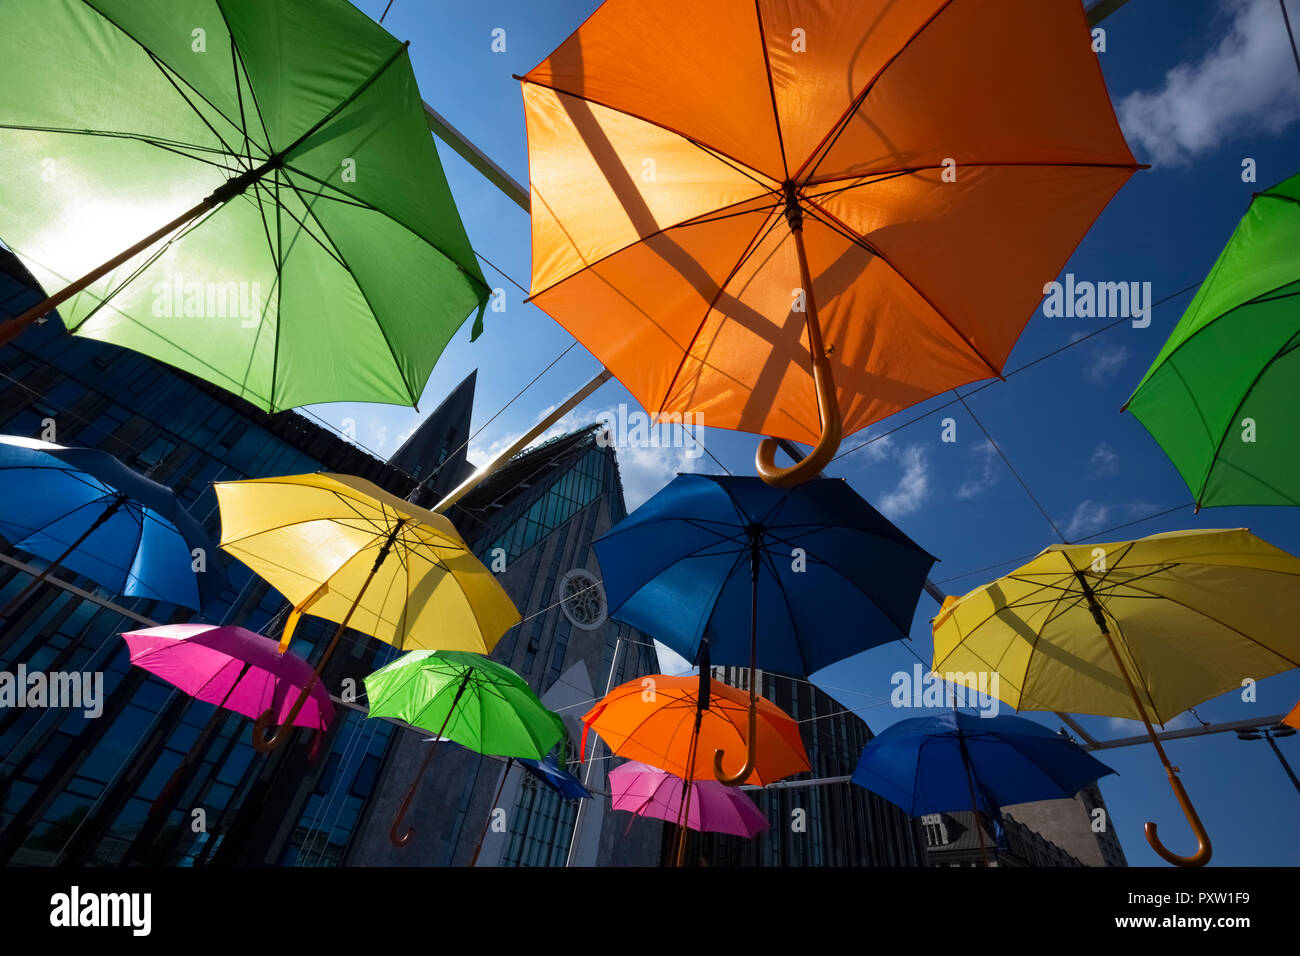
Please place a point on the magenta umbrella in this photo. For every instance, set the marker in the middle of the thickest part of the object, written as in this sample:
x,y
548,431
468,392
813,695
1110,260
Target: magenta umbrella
x,y
233,668
713,807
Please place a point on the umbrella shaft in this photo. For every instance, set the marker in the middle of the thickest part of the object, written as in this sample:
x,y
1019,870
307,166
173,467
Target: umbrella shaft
x,y
13,327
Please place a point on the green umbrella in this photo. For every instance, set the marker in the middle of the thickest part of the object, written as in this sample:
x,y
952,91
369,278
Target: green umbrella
x,y
247,190
478,703
1220,397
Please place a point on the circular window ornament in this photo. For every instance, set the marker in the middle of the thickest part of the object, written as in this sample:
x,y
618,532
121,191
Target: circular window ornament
x,y
583,600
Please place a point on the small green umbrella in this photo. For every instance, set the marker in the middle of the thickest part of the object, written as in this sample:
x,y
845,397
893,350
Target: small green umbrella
x,y
1220,397
243,189
476,702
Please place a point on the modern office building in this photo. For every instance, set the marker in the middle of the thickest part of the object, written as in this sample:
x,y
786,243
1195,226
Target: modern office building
x,y
1074,832
834,824
159,778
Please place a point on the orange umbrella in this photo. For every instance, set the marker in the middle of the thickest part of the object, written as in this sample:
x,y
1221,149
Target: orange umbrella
x,y
1293,719
799,217
676,724
649,719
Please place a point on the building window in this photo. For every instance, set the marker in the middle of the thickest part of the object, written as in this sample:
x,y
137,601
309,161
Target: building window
x,y
583,600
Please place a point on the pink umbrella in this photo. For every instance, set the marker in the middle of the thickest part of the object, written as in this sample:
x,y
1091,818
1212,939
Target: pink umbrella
x,y
233,668
713,807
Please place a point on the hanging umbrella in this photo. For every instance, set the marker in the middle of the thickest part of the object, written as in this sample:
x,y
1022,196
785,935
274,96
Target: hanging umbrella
x,y
799,217
1139,629
233,668
653,723
646,720
344,549
649,792
246,191
82,509
954,761
1220,395
561,781
478,703
787,580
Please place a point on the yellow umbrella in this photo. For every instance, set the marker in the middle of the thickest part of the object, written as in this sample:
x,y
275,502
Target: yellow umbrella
x,y
1140,629
350,552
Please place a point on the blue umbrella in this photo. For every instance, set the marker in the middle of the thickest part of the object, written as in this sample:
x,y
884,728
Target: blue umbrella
x,y
729,570
954,761
561,781
82,509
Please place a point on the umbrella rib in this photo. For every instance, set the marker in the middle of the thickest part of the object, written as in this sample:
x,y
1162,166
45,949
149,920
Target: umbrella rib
x,y
149,53
350,200
743,168
837,128
388,342
789,610
702,219
234,153
887,174
160,141
1288,346
831,221
153,257
771,89
171,146
302,225
252,93
239,96
755,242
1215,620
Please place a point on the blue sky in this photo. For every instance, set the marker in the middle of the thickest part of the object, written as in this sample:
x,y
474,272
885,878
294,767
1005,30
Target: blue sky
x,y
1200,85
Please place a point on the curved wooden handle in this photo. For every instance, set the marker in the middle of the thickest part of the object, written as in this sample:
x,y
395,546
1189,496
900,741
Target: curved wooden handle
x,y
832,432
400,840
263,743
1203,848
751,753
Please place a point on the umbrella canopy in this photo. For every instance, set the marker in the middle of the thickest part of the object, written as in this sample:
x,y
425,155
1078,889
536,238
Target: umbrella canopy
x,y
244,190
1220,395
497,713
476,702
652,722
82,509
315,539
1193,613
233,668
781,215
834,576
935,764
346,550
561,781
650,792
1140,629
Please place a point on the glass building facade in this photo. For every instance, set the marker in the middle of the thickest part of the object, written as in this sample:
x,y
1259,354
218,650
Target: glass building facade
x,y
159,778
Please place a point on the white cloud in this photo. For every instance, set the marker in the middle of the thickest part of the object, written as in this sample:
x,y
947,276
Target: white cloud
x,y
986,473
1104,462
1245,85
1134,728
672,663
1104,363
913,486
1089,517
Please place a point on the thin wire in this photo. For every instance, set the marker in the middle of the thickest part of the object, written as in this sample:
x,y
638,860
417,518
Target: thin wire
x,y
1007,375
1006,461
386,9
1095,534
1290,34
